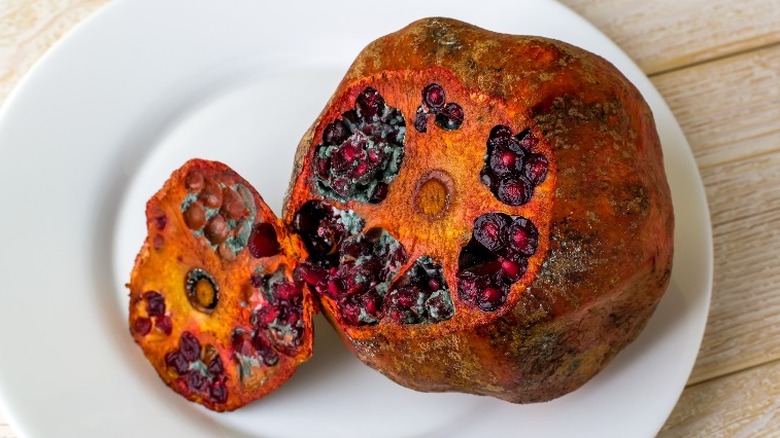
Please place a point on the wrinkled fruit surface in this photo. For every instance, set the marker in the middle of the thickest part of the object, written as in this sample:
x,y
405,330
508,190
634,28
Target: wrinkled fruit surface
x,y
465,223
477,225
213,303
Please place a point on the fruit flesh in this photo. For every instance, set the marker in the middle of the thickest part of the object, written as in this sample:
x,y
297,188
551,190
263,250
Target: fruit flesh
x,y
600,206
196,288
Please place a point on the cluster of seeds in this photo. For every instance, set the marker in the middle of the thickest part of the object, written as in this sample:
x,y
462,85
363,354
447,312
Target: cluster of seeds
x,y
157,316
495,258
361,152
198,369
446,115
277,324
421,295
355,269
512,167
221,214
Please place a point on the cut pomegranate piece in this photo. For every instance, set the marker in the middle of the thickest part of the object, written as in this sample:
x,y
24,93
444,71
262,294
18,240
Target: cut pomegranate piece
x,y
190,295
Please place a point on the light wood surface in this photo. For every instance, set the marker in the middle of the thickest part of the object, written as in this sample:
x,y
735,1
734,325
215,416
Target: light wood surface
x,y
717,63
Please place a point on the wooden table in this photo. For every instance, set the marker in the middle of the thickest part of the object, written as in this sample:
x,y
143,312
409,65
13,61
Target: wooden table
x,y
717,63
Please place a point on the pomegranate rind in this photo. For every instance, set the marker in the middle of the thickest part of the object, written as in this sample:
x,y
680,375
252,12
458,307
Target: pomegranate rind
x,y
603,211
173,249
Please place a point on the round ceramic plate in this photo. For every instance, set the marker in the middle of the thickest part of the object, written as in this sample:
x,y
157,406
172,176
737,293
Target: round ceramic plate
x,y
103,119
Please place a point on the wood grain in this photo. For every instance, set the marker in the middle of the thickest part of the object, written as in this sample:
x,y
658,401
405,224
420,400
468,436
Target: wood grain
x,y
745,404
29,28
736,140
669,34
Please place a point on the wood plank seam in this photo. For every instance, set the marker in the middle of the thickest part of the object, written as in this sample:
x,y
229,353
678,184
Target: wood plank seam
x,y
713,59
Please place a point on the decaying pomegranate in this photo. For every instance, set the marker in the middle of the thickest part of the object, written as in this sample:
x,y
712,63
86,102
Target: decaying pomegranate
x,y
213,303
483,213
473,212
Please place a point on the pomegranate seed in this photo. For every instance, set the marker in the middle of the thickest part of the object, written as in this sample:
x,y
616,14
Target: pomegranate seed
x,y
155,303
215,366
233,205
513,191
164,324
211,196
263,241
218,392
421,120
196,382
176,361
433,96
450,117
189,346
523,236
194,181
489,229
195,216
491,298
217,230
536,169
369,103
142,326
335,133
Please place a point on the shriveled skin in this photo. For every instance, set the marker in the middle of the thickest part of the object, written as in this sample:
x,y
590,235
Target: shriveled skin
x,y
603,212
196,290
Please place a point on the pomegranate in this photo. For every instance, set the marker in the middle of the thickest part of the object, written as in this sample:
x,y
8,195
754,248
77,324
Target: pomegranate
x,y
472,212
522,235
213,302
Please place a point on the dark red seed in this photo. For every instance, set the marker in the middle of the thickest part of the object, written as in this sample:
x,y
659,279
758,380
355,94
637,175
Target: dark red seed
x,y
196,381
513,191
335,132
369,103
155,303
264,349
450,117
469,285
489,230
288,292
536,169
189,346
217,230
241,342
379,193
263,241
142,326
321,166
421,120
176,361
500,135
522,236
491,298
215,366
433,96
342,186
527,140
514,269
164,324
218,392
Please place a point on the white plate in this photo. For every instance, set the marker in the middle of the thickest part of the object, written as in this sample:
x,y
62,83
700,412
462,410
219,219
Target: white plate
x,y
104,118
